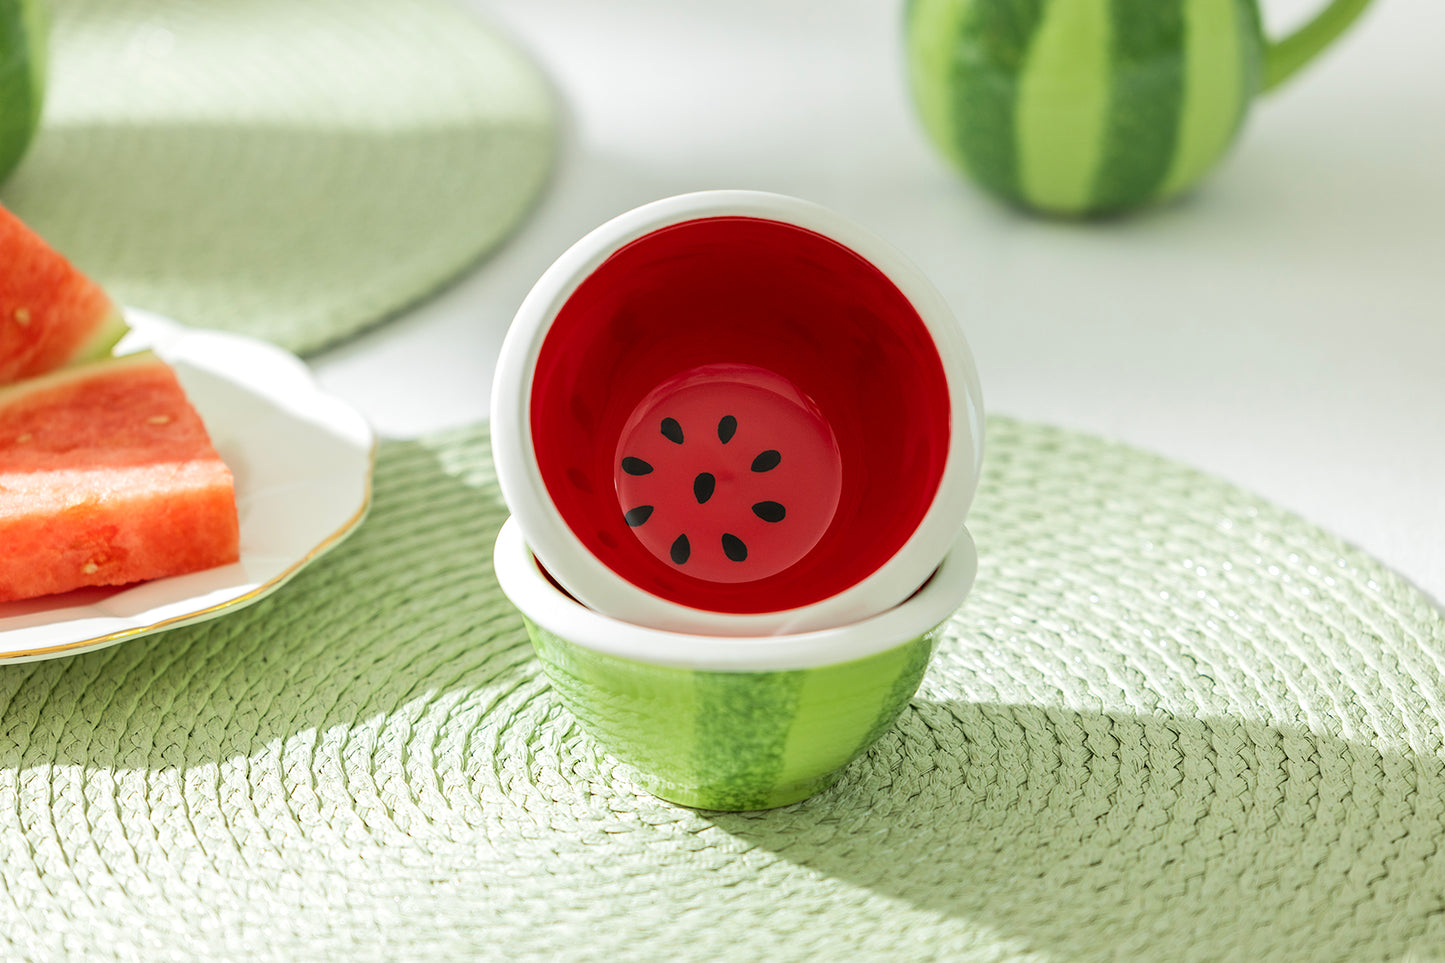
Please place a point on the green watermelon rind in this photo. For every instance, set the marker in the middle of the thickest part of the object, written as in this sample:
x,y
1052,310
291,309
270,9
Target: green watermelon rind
x,y
102,341
61,377
23,63
733,741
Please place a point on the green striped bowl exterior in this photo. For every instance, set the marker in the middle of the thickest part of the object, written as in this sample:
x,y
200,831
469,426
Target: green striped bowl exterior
x,y
1084,106
733,740
22,77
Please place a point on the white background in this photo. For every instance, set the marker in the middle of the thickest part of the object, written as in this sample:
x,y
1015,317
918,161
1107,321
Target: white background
x,y
1283,327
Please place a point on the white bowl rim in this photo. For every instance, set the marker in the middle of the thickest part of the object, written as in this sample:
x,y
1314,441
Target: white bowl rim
x,y
523,581
590,580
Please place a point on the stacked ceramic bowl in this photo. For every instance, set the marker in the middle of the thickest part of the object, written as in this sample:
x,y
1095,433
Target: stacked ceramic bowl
x,y
738,436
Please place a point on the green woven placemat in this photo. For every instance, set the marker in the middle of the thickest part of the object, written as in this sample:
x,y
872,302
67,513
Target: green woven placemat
x,y
291,170
1172,722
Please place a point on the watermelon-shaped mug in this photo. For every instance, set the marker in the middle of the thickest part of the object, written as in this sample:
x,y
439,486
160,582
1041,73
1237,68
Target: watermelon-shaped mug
x,y
1081,107
726,722
22,77
736,413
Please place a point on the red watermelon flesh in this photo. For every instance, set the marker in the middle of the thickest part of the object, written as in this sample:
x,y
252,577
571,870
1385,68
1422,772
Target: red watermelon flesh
x,y
107,477
51,315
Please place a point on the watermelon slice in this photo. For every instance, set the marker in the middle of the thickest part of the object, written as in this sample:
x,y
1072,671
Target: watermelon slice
x,y
51,315
107,477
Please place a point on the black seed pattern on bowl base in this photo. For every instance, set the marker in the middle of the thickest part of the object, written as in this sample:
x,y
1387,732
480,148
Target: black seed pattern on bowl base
x,y
770,511
734,548
768,460
703,486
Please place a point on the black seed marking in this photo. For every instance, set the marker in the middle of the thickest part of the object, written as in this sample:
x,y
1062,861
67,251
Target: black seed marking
x,y
734,548
768,460
672,431
703,486
770,511
636,466
680,550
636,516
727,428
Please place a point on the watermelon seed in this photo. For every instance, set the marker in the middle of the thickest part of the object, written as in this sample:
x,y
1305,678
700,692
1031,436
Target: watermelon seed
x,y
636,516
768,460
770,511
636,466
672,431
158,420
727,428
90,568
680,550
22,316
22,439
703,486
734,548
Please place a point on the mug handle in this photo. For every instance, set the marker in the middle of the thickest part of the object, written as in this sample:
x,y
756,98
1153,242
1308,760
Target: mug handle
x,y
1283,57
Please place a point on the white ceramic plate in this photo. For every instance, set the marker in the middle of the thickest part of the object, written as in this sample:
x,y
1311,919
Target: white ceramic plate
x,y
302,461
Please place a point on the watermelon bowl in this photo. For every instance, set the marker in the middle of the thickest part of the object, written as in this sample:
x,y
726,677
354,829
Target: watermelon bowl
x,y
736,413
727,722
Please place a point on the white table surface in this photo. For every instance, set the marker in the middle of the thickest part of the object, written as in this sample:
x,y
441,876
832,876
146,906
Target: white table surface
x,y
1283,328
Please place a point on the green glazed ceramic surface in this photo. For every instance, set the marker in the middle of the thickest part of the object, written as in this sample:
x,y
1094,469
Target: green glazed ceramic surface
x,y
733,740
22,77
730,722
1093,106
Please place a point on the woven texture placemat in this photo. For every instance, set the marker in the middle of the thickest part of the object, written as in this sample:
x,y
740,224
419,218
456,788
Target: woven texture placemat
x,y
1172,722
291,170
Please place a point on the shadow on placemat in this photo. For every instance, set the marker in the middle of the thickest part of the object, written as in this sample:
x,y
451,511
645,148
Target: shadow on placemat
x,y
1105,835
1170,723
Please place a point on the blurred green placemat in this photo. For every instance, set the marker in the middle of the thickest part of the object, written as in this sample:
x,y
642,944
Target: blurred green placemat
x,y
291,170
1171,723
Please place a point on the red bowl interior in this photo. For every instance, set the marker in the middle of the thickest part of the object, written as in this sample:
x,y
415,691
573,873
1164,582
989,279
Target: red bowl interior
x,y
815,354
